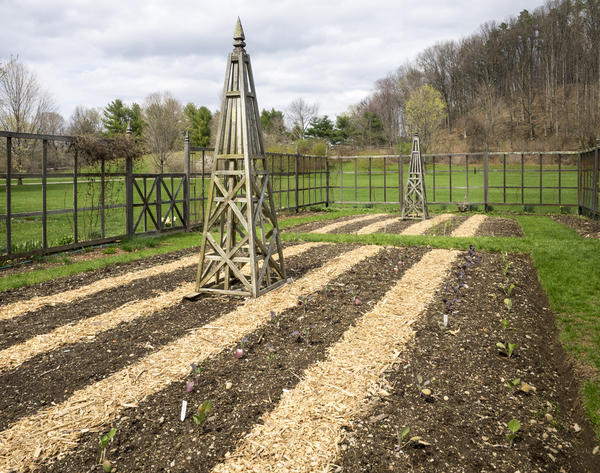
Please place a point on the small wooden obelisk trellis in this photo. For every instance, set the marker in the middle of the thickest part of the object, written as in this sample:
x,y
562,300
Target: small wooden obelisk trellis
x,y
240,201
415,197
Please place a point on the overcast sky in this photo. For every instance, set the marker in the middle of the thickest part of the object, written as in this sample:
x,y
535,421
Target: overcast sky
x,y
329,52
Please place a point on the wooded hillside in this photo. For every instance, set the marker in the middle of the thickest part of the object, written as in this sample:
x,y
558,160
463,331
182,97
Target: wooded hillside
x,y
532,81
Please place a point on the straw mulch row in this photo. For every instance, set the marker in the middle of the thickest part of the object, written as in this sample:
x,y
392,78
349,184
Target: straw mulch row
x,y
356,226
397,227
303,432
151,437
35,303
351,223
474,390
446,227
57,429
379,225
46,319
470,226
313,226
59,285
72,366
423,225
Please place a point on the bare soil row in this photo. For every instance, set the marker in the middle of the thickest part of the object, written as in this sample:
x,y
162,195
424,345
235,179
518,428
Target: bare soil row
x,y
492,226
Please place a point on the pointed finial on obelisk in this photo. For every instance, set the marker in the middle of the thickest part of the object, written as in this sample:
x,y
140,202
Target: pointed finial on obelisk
x,y
238,35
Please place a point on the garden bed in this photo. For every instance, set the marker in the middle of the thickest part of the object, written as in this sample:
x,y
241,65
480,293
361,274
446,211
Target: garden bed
x,y
473,392
72,366
500,227
586,227
56,286
152,437
452,386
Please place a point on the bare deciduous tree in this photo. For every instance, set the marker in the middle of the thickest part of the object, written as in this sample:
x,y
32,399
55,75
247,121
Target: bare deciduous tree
x,y
163,117
300,113
23,106
22,100
85,121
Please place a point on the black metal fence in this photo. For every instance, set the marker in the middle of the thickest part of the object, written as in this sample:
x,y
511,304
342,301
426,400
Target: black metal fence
x,y
55,201
476,179
588,184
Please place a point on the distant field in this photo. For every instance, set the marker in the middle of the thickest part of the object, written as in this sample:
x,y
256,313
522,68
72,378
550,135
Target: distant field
x,y
359,187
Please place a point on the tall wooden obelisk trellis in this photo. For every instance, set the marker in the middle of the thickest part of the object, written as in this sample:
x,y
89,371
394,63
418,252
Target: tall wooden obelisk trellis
x,y
240,201
415,197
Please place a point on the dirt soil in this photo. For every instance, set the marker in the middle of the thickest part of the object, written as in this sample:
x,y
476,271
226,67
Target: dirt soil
x,y
55,286
151,437
456,391
73,366
500,227
586,227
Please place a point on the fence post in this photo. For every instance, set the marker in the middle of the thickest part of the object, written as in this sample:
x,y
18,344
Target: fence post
x,y
327,177
401,181
129,189
186,184
102,198
595,192
486,157
296,170
8,196
75,199
44,194
579,185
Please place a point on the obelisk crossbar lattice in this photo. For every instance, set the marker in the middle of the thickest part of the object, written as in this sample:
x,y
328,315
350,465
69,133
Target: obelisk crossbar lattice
x,y
415,197
244,259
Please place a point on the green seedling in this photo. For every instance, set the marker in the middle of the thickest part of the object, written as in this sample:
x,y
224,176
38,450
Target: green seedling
x,y
506,263
507,348
514,383
203,410
508,303
271,357
402,436
505,324
513,427
508,288
103,443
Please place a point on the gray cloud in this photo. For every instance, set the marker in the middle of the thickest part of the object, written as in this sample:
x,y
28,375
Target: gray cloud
x,y
89,52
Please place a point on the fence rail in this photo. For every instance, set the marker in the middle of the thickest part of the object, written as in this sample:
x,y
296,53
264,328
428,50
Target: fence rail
x,y
57,202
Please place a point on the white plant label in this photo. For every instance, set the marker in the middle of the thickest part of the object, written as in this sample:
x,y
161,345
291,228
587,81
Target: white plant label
x,y
183,410
445,320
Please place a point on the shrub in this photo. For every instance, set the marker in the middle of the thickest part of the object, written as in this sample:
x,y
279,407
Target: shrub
x,y
565,210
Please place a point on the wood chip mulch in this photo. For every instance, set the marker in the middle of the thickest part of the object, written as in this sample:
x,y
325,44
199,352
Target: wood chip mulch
x,y
460,424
